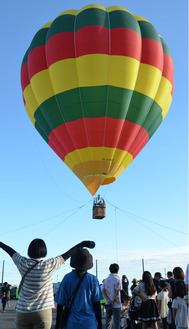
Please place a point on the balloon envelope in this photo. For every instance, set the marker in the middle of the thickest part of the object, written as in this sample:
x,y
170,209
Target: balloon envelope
x,y
97,83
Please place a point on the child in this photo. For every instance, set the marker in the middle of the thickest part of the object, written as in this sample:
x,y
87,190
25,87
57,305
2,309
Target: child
x,y
180,310
163,300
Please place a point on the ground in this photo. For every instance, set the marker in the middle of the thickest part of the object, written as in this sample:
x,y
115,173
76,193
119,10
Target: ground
x,y
7,319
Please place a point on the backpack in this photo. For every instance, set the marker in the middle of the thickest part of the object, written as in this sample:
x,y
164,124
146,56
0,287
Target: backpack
x,y
135,308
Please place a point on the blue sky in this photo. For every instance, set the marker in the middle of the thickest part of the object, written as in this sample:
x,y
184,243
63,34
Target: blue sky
x,y
147,207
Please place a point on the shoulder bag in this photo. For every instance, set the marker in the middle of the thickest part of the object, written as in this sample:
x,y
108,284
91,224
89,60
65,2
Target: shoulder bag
x,y
23,278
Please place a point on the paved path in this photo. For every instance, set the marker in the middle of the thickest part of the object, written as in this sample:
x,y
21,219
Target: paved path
x,y
7,319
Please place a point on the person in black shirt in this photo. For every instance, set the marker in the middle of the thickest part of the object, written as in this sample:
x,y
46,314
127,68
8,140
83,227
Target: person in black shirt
x,y
170,276
4,291
156,280
125,290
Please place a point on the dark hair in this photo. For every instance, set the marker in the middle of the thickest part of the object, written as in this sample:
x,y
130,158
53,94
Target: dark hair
x,y
114,268
178,273
150,288
37,249
180,289
163,284
169,273
157,274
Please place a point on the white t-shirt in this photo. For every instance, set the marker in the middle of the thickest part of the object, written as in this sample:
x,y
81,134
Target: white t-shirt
x,y
36,293
182,318
163,296
112,284
141,289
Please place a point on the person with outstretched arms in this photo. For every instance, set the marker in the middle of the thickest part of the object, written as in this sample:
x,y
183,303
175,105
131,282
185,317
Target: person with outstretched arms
x,y
36,300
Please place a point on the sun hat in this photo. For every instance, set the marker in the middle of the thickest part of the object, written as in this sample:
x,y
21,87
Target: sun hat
x,y
81,260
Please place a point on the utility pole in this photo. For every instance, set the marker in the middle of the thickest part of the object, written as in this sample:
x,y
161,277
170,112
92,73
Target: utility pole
x,y
96,269
142,265
2,273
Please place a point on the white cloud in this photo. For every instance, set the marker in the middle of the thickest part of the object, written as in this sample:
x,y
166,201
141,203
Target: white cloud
x,y
130,262
155,260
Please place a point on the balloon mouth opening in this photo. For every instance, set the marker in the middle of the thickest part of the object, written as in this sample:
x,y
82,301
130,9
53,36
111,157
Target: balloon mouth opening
x,y
93,182
108,180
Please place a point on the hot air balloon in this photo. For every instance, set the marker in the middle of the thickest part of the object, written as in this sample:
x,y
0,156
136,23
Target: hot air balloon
x,y
97,83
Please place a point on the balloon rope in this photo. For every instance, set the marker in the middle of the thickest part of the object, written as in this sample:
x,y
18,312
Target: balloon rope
x,y
116,236
147,220
61,222
145,226
72,211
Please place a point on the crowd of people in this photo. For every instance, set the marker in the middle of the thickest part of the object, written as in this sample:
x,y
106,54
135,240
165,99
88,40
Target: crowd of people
x,y
79,299
154,301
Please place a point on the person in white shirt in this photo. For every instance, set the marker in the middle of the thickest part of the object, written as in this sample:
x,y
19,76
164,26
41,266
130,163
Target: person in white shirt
x,y
180,309
111,290
163,300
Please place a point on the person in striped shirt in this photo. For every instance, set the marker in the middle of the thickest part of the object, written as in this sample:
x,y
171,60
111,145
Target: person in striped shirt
x,y
35,302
